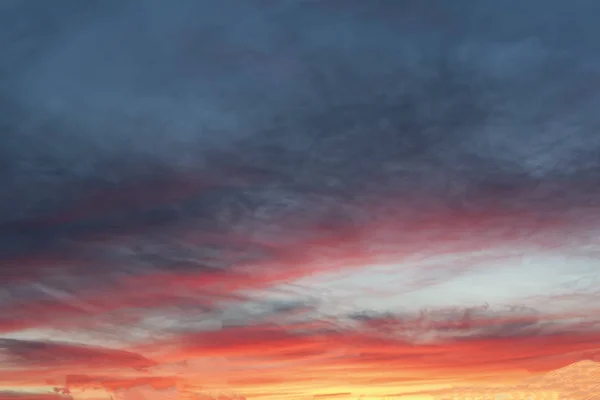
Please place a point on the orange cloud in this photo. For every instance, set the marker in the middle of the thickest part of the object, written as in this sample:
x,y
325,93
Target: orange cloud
x,y
332,395
114,383
362,349
22,395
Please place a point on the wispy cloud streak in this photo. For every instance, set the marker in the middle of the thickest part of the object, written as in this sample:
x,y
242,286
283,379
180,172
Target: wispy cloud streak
x,y
294,199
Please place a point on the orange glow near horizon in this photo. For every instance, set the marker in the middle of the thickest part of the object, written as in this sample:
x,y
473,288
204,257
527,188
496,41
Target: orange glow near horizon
x,y
296,327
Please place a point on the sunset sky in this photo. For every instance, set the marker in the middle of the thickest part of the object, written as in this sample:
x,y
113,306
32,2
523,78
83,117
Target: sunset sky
x,y
296,199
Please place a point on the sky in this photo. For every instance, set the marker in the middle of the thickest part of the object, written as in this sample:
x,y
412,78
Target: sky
x,y
296,199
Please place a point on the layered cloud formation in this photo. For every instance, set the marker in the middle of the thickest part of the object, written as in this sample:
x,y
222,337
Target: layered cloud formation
x,y
295,199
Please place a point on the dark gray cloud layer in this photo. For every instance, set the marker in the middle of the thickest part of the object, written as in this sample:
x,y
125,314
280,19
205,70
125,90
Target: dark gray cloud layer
x,y
126,123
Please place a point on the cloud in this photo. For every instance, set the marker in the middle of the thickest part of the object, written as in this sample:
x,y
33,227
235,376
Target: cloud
x,y
114,383
458,323
202,396
577,379
367,348
46,354
19,395
424,344
332,395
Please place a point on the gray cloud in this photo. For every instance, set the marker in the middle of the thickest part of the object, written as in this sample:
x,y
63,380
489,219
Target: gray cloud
x,y
462,323
261,125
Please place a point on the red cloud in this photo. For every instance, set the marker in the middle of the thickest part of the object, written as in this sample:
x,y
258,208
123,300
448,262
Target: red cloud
x,y
118,383
480,344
